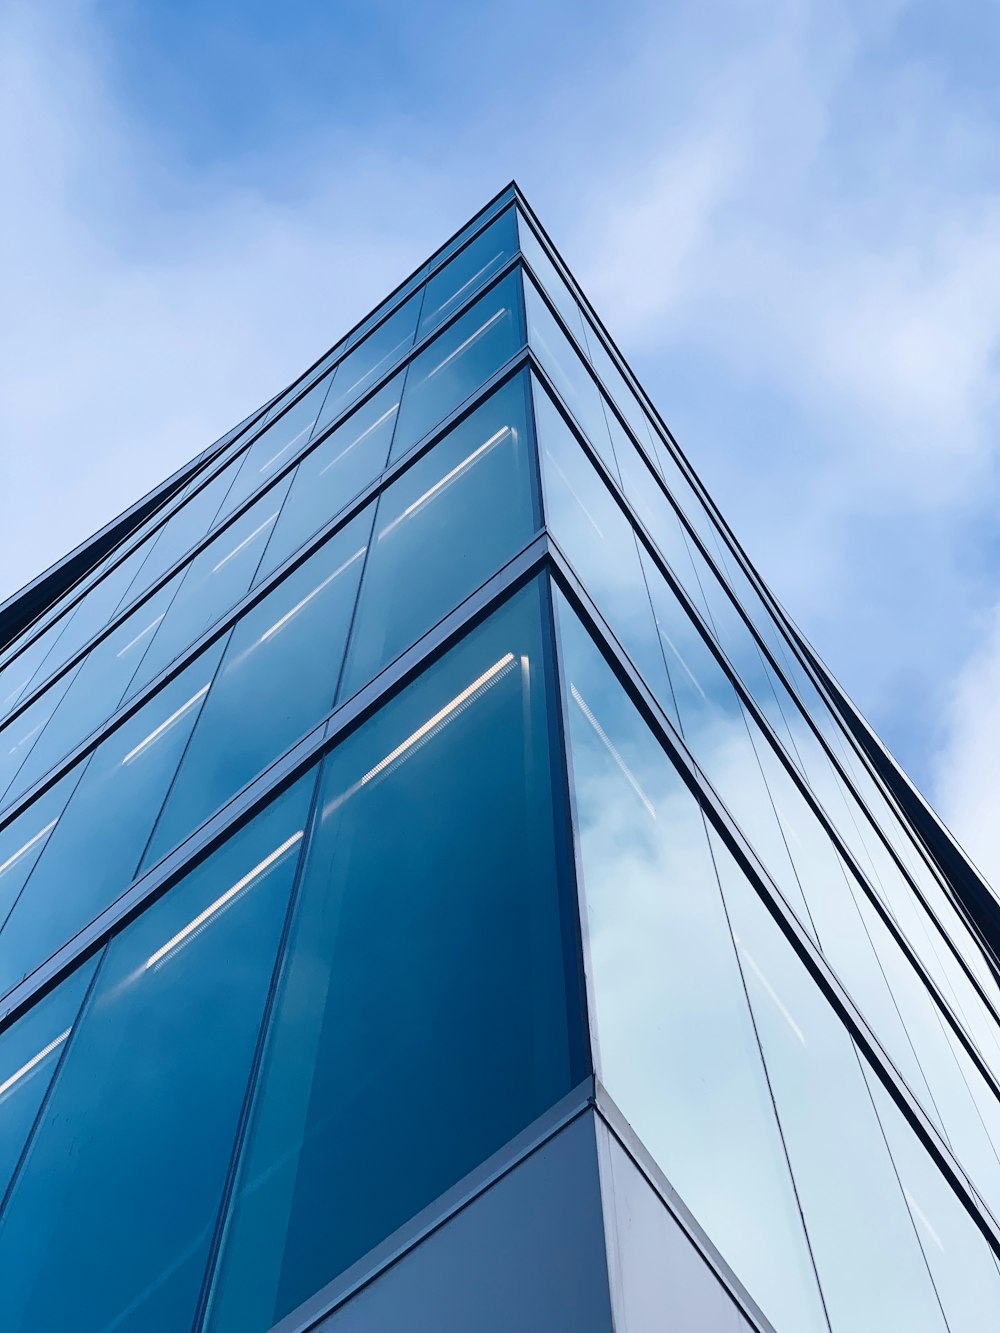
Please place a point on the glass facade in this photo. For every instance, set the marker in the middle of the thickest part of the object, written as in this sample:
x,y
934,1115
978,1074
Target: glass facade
x,y
431,758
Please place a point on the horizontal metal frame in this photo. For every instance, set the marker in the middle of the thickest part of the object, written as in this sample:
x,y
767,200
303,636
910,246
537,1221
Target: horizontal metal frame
x,y
829,983
765,726
983,898
845,777
262,417
327,732
259,591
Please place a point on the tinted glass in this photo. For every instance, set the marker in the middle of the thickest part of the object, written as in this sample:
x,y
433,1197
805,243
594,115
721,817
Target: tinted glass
x,y
30,1052
216,579
334,472
677,1047
370,360
478,262
470,494
22,733
870,1265
277,446
95,688
87,861
570,377
16,675
23,840
455,364
281,669
126,1168
545,271
422,1017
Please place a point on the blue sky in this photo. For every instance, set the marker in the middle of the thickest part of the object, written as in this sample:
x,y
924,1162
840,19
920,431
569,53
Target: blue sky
x,y
788,215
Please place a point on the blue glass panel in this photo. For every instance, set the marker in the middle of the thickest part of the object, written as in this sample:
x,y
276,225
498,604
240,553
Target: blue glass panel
x,y
595,536
92,612
870,1265
16,675
277,446
458,362
280,671
569,375
442,529
23,839
370,360
962,1264
676,1043
545,271
334,472
182,530
90,857
216,579
122,1181
452,285
24,731
30,1051
422,1018
96,688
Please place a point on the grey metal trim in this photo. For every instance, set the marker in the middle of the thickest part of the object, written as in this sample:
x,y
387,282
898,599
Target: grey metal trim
x,y
647,1166
430,1219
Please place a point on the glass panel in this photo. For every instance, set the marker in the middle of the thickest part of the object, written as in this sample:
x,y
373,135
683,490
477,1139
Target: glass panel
x,y
216,579
30,1051
452,285
190,523
869,1262
23,732
95,689
596,538
280,671
547,275
443,528
92,612
277,446
123,1178
334,472
617,389
87,862
458,362
422,1018
677,1047
572,380
961,1262
370,360
23,839
16,675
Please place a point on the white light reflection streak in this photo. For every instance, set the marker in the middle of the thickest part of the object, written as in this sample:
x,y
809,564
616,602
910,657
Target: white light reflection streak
x,y
609,745
157,732
447,479
220,903
771,991
245,542
919,1212
16,856
141,635
279,624
354,443
569,486
433,724
456,295
472,338
35,1060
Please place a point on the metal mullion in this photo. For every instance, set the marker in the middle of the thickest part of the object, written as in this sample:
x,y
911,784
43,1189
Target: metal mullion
x,y
736,842
327,732
786,627
764,723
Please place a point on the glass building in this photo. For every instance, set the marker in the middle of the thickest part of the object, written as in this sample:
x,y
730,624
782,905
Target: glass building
x,y
442,891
